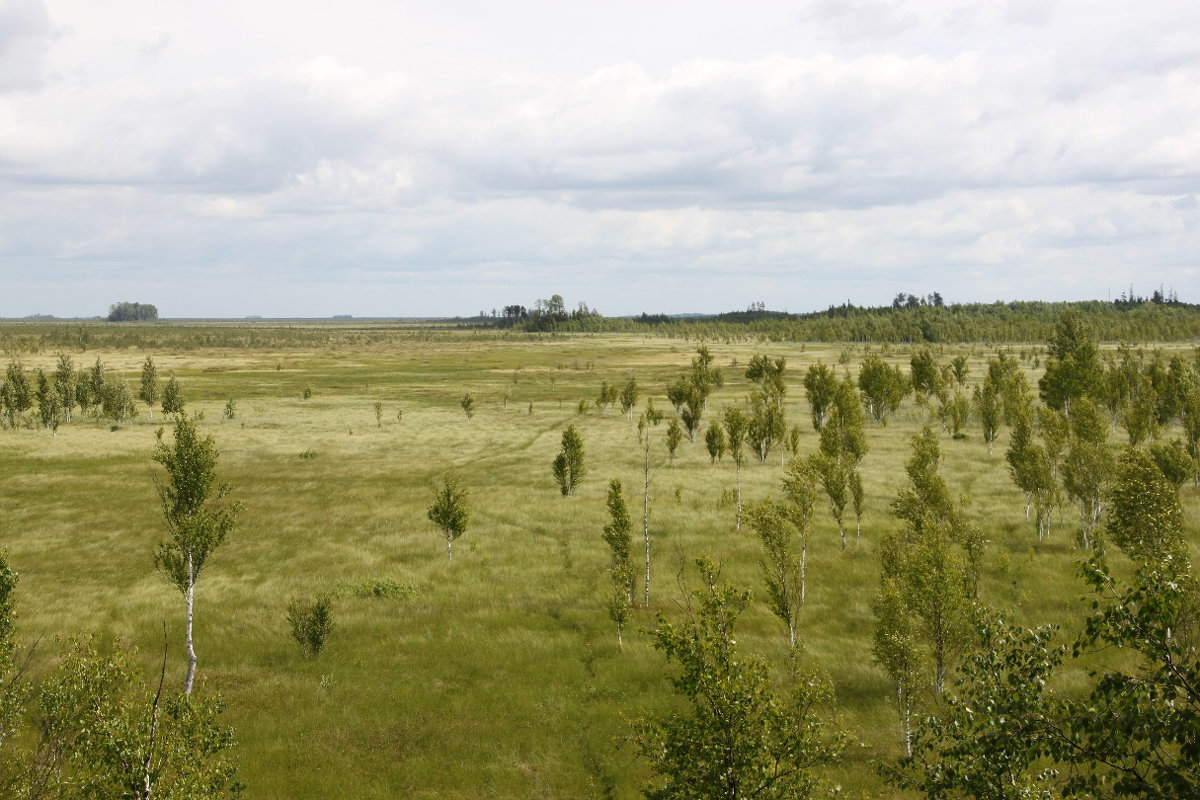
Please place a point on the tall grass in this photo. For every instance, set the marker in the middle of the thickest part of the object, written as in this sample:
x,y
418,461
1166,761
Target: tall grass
x,y
496,675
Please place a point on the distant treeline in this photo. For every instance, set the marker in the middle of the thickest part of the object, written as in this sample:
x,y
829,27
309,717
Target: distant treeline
x,y
1159,319
925,320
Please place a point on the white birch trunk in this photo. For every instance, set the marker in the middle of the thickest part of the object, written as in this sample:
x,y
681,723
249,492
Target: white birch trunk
x,y
191,649
738,523
803,570
646,520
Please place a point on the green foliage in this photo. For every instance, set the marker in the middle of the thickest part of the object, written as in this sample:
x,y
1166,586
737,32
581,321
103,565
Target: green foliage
x,y
1132,732
1144,518
1073,369
608,395
467,404
8,602
172,397
449,511
379,588
780,564
993,733
843,445
65,379
568,467
956,410
714,442
960,368
820,386
767,424
230,410
311,623
149,388
883,388
1137,732
197,523
629,396
735,424
920,565
102,734
674,437
924,373
1173,459
689,394
131,312
49,402
989,409
653,416
738,737
1087,470
618,535
16,394
1191,423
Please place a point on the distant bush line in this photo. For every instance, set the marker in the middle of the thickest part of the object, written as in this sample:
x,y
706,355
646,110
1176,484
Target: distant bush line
x,y
975,322
994,323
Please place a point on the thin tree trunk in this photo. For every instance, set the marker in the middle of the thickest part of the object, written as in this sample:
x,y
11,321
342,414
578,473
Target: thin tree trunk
x,y
906,713
646,520
449,547
803,570
738,523
191,649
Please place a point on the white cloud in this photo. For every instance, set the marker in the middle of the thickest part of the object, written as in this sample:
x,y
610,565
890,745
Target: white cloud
x,y
863,148
25,36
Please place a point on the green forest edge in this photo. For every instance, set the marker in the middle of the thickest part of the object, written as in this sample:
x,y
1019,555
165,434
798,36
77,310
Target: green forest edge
x,y
1133,319
973,695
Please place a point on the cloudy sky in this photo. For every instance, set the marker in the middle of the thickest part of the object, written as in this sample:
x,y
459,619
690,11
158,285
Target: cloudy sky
x,y
390,158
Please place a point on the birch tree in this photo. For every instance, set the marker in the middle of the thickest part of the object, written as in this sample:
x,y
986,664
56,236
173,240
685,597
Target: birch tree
x,y
197,519
820,387
737,737
65,378
647,478
883,388
449,511
842,447
629,397
989,409
735,434
172,397
780,564
714,442
1087,469
618,535
568,466
674,437
149,389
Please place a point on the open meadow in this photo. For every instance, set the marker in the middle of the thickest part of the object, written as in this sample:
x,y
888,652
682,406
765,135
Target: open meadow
x,y
497,673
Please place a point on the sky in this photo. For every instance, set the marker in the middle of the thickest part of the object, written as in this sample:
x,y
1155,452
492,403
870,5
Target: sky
x,y
290,158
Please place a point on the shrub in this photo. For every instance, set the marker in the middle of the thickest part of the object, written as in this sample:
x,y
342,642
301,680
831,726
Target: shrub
x,y
311,622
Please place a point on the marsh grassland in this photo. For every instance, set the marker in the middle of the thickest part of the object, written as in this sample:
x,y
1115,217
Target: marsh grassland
x,y
496,674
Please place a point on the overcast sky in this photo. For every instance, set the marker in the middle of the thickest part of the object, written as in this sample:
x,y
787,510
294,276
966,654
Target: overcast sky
x,y
386,158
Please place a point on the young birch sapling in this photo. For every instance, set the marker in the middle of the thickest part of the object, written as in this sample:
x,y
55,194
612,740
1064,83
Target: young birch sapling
x,y
449,511
197,520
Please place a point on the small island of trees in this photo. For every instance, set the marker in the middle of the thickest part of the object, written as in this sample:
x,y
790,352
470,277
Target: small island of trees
x,y
131,312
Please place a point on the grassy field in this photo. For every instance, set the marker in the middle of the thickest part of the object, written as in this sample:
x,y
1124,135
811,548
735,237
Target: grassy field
x,y
497,675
